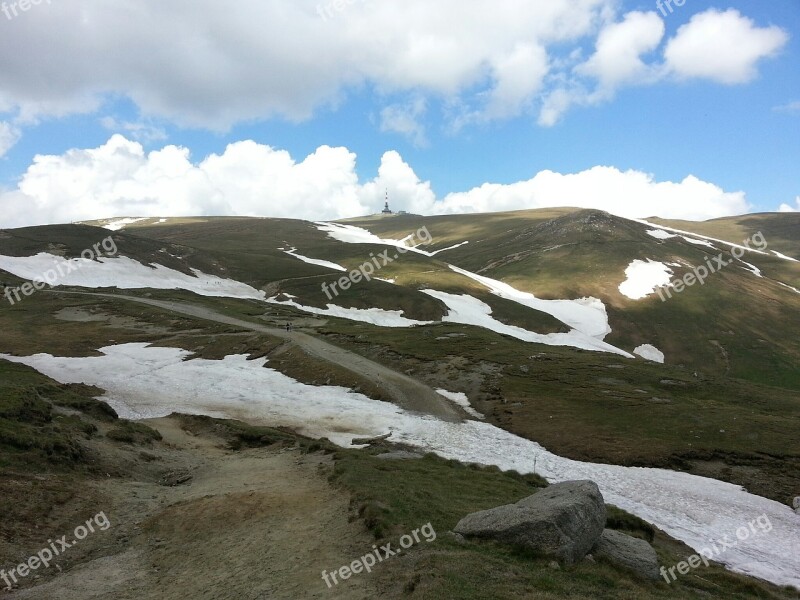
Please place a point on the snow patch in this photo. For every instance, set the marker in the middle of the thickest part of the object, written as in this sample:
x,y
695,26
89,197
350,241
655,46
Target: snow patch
x,y
314,261
752,268
695,237
649,352
794,289
125,274
461,400
120,224
784,257
643,278
143,382
435,252
374,316
696,242
467,310
587,315
356,235
660,234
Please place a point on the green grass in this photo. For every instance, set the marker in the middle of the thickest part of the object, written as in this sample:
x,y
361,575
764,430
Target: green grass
x,y
736,325
602,408
33,432
396,497
129,432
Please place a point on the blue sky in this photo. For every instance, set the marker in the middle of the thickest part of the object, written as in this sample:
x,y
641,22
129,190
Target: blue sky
x,y
709,90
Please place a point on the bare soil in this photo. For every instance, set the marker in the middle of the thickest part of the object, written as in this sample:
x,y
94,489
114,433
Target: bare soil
x,y
252,524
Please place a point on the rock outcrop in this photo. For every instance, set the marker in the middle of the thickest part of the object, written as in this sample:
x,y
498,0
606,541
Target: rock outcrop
x,y
625,551
563,521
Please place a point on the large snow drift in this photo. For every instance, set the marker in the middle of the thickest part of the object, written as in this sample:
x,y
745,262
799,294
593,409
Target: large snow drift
x,y
468,310
145,382
123,273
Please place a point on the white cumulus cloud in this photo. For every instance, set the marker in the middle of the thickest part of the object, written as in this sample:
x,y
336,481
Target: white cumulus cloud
x,y
620,46
9,136
789,207
213,64
405,119
722,46
119,179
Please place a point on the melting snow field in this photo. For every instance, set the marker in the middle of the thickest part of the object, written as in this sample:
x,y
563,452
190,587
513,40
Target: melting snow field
x,y
695,238
587,315
314,261
375,316
356,235
461,400
120,224
467,310
143,382
125,274
660,234
644,278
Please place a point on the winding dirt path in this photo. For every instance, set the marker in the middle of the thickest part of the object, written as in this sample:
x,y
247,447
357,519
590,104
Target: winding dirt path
x,y
405,391
259,524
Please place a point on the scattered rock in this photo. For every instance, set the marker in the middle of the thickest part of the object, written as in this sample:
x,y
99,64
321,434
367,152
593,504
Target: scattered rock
x,y
655,400
368,441
563,521
175,478
628,552
399,455
456,537
673,382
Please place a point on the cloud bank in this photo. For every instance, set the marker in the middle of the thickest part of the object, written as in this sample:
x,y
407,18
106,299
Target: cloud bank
x,y
120,179
212,64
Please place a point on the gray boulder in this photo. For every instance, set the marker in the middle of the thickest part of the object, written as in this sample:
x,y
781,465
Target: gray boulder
x,y
628,552
563,521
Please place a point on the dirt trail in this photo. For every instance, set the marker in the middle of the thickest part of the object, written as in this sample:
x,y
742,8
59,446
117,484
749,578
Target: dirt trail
x,y
405,391
251,525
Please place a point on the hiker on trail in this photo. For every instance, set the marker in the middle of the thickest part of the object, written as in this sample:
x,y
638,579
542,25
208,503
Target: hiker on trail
x,y
288,327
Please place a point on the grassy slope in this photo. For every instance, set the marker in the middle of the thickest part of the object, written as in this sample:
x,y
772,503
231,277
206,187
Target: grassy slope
x,y
782,230
712,329
392,498
396,497
570,254
554,254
